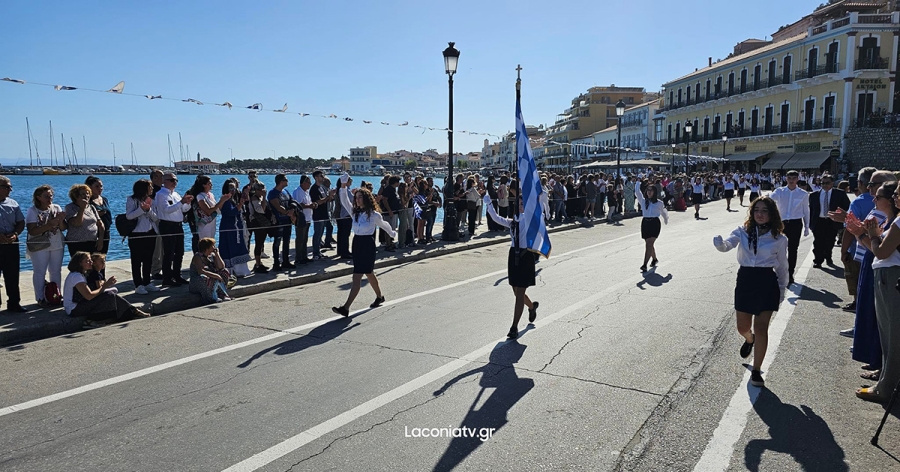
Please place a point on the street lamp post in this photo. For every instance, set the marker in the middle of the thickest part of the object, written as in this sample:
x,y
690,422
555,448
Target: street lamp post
x,y
724,141
673,158
451,224
620,110
231,153
688,127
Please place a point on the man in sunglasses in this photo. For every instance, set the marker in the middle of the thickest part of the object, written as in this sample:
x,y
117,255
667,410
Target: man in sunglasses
x,y
171,207
821,202
12,223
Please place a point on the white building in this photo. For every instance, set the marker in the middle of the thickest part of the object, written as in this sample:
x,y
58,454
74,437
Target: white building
x,y
361,158
637,128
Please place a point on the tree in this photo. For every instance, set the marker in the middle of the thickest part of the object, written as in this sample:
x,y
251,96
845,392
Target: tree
x,y
462,164
410,164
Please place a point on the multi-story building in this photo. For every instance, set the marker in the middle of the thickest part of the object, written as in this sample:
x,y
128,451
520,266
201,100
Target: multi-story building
x,y
508,151
490,154
361,158
637,128
588,113
787,103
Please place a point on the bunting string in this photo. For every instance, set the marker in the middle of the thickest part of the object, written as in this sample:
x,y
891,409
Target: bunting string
x,y
119,89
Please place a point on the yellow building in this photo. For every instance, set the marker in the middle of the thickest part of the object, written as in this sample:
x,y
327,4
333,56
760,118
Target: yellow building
x,y
787,103
588,113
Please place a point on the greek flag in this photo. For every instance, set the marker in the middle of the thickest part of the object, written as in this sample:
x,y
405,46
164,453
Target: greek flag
x,y
531,223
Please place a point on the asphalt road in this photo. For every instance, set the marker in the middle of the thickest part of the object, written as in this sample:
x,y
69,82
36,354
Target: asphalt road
x,y
622,371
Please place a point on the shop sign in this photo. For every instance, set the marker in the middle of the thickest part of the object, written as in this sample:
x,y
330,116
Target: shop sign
x,y
808,147
870,84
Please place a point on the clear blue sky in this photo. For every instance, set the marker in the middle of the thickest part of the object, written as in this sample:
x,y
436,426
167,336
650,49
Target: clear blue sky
x,y
371,60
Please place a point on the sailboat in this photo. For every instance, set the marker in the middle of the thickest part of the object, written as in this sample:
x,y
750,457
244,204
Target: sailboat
x,y
75,169
60,169
50,170
133,168
31,169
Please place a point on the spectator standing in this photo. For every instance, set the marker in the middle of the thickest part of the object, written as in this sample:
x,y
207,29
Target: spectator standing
x,y
156,181
101,206
45,221
12,223
232,237
85,230
285,216
344,225
305,216
319,196
821,204
206,208
142,241
170,208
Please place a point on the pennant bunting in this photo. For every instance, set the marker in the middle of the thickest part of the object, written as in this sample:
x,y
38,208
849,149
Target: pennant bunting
x,y
153,97
226,104
63,87
13,80
118,88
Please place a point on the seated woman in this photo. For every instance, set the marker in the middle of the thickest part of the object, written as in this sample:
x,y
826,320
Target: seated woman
x,y
209,277
96,304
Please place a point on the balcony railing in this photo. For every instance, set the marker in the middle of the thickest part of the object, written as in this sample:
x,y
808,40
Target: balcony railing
x,y
874,19
868,19
820,29
816,125
808,73
869,63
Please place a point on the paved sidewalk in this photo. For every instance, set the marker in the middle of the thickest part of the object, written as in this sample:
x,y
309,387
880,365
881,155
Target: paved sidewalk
x,y
39,323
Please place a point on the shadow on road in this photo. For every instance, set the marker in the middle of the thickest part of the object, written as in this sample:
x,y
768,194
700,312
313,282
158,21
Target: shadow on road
x,y
507,389
826,298
795,431
319,335
653,279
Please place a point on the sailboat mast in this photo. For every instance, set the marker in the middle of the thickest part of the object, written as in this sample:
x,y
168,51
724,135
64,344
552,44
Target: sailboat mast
x,y
52,146
180,148
30,158
62,147
74,156
84,148
132,155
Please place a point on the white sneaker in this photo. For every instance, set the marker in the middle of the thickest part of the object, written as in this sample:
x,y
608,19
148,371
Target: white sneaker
x,y
151,288
140,290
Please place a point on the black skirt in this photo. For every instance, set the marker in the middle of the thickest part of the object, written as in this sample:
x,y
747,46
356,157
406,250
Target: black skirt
x,y
756,290
741,191
753,196
696,198
729,194
650,228
363,254
521,273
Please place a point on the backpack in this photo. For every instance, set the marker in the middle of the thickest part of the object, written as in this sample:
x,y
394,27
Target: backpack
x,y
51,293
124,226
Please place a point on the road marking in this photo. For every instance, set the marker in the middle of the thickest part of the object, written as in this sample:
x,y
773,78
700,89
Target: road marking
x,y
203,355
296,442
718,453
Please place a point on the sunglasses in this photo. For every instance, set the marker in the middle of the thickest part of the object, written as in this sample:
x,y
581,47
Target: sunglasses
x,y
6,186
172,180
873,184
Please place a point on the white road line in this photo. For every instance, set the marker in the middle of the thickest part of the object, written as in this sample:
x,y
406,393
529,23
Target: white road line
x,y
720,449
296,442
203,355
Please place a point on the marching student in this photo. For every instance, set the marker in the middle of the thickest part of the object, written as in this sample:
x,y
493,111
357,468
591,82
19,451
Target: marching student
x,y
652,208
761,279
728,185
793,205
366,216
742,189
519,266
754,189
697,189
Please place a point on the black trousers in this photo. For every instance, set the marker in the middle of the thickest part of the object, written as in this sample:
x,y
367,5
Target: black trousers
x,y
89,247
282,243
106,306
824,234
793,229
329,232
300,252
141,246
173,248
9,267
472,213
344,225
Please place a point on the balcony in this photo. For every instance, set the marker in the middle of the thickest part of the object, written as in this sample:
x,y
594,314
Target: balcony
x,y
808,73
817,125
871,63
856,18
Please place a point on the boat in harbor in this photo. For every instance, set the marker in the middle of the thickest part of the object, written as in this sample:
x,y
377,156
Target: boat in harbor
x,y
31,169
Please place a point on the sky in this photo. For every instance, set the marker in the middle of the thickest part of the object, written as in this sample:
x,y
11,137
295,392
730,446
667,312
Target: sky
x,y
368,60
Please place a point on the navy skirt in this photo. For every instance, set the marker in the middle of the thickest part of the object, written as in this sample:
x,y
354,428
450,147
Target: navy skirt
x,y
650,228
696,198
756,290
729,194
363,254
520,270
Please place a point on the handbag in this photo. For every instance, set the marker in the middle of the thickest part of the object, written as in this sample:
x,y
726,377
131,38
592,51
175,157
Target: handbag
x,y
38,242
51,293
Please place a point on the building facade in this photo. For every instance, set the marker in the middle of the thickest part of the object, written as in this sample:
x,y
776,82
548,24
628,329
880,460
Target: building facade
x,y
361,158
791,102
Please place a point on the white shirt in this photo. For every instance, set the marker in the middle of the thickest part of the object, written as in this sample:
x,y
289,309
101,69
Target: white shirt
x,y
655,210
729,184
754,188
40,218
146,219
169,207
823,213
894,259
792,204
507,223
73,279
365,225
698,188
303,197
770,252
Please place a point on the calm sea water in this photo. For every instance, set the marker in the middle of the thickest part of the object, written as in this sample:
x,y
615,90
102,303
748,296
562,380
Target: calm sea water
x,y
117,188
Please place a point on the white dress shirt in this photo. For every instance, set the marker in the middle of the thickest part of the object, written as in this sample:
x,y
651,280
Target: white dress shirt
x,y
507,223
146,219
655,210
824,202
792,204
365,225
169,207
698,188
770,252
303,197
728,184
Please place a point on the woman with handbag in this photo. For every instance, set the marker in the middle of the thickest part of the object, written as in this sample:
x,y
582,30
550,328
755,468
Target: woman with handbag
x,y
45,222
101,206
206,207
260,223
142,242
85,230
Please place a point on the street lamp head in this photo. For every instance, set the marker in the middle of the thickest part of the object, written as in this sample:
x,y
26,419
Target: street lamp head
x,y
687,127
673,146
724,138
451,57
620,108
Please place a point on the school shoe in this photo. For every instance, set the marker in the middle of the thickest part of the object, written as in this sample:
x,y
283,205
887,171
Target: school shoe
x,y
747,347
756,379
654,262
513,333
377,303
644,268
532,312
343,311
848,333
140,290
850,307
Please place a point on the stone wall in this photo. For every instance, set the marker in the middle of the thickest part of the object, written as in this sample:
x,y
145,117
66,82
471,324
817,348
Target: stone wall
x,y
876,147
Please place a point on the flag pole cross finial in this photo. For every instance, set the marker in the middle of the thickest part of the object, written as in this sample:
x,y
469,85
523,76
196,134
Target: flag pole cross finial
x,y
518,76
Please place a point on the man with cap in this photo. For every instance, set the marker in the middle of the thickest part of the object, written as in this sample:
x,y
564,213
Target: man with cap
x,y
171,207
12,223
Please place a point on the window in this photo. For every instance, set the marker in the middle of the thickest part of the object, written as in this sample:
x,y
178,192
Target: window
x,y
785,117
708,88
786,76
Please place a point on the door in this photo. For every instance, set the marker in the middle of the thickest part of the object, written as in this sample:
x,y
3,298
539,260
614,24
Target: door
x,y
739,126
717,127
708,89
864,107
757,76
786,77
785,118
769,119
813,62
706,128
772,71
731,84
743,80
809,113
869,54
729,124
828,121
754,122
831,58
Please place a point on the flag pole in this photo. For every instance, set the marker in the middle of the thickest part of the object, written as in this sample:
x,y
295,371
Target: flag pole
x,y
518,99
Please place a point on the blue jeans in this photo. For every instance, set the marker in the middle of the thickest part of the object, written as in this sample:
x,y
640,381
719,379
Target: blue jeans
x,y
430,216
561,210
283,240
318,230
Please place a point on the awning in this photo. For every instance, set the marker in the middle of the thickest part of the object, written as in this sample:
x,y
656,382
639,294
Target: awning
x,y
644,163
777,161
747,156
808,160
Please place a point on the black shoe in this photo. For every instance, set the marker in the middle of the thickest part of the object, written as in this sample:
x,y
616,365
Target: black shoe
x,y
532,312
513,333
170,283
644,268
288,265
377,303
654,262
182,280
327,246
276,267
343,311
260,269
850,307
817,265
791,280
157,276
303,261
747,347
15,308
756,379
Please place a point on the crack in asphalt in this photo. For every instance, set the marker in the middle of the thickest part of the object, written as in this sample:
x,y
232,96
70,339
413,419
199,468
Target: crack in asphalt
x,y
578,336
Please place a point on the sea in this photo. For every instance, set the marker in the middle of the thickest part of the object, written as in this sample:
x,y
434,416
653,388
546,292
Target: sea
x,y
117,188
